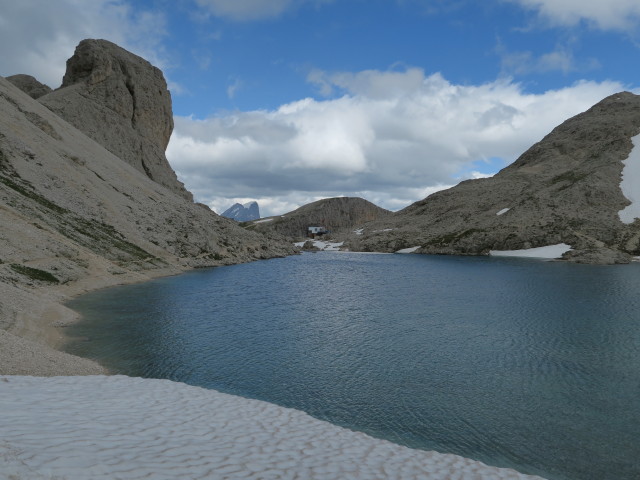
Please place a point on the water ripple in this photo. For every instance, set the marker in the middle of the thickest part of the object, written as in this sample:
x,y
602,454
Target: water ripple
x,y
513,362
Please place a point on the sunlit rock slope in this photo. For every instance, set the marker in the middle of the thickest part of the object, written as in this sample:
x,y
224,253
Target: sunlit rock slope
x,y
564,189
74,216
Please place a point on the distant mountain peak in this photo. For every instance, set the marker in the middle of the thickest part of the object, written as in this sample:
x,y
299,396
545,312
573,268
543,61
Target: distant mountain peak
x,y
243,213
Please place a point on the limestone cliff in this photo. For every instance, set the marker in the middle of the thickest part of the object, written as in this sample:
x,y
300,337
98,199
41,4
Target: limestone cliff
x,y
75,217
121,101
565,188
335,214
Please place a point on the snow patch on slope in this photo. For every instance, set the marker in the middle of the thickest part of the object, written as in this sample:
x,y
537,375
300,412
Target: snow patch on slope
x,y
408,250
326,246
630,184
550,252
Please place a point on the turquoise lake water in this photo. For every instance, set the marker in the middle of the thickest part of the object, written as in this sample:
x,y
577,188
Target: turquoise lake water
x,y
517,363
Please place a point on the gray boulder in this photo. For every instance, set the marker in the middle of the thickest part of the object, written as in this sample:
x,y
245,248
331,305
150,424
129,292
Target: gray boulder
x,y
29,85
122,102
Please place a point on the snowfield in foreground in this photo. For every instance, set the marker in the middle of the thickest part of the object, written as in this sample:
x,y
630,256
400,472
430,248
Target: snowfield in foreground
x,y
108,427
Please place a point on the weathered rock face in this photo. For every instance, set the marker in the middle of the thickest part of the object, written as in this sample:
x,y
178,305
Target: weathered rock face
x,y
74,217
29,85
566,188
87,200
335,214
121,101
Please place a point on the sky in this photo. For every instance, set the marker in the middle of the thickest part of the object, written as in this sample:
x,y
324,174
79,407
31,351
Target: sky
x,y
289,101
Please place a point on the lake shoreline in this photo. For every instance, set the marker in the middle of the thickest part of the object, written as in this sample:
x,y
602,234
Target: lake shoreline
x,y
32,342
32,339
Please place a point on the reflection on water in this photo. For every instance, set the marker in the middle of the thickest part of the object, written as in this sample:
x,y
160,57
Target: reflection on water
x,y
518,363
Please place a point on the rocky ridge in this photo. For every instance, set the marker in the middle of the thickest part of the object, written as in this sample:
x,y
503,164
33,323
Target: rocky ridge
x,y
335,214
29,85
565,188
76,217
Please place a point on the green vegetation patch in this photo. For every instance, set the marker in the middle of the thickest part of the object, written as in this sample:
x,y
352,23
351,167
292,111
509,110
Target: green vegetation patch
x,y
34,273
96,236
101,238
28,193
3,160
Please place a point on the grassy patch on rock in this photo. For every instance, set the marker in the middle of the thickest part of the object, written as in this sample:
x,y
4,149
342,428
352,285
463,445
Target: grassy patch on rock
x,y
26,192
34,273
97,236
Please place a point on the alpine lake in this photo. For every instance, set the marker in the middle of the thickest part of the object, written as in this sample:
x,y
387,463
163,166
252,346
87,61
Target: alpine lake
x,y
518,363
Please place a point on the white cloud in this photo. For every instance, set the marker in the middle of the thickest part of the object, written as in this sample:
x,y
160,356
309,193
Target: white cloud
x,y
393,137
560,59
525,62
249,10
37,37
603,14
245,9
233,88
370,83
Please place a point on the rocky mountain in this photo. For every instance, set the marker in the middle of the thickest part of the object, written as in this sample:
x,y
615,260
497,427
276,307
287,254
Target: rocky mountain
x,y
122,102
335,214
74,216
29,85
565,188
243,213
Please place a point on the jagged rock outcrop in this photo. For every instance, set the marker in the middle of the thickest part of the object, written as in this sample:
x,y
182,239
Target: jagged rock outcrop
x,y
121,101
75,217
243,213
565,188
29,85
335,214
